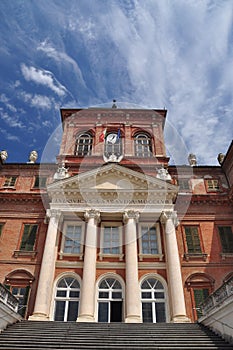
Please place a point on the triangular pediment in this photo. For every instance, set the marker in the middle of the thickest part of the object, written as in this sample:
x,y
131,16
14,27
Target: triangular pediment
x,y
112,177
112,188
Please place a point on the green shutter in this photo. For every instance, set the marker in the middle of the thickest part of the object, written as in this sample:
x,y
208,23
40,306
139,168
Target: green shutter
x,y
200,295
192,239
226,237
29,237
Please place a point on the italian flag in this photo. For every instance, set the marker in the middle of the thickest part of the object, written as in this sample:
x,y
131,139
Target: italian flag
x,y
102,135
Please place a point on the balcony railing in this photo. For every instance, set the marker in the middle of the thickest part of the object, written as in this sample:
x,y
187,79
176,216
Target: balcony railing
x,y
217,297
8,299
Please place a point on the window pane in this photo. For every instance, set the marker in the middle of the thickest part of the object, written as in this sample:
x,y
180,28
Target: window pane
x,y
226,237
149,240
72,311
29,237
192,239
103,295
159,295
74,294
116,295
146,295
72,242
103,312
147,312
160,312
61,293
200,295
59,311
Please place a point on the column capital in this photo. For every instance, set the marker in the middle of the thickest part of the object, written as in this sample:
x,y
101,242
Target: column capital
x,y
172,215
130,214
92,213
53,213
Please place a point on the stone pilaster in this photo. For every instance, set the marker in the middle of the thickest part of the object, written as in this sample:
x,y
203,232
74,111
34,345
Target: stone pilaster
x,y
175,285
46,277
87,302
133,300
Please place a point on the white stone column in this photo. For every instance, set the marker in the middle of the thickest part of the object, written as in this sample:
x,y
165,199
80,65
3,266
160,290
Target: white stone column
x,y
175,285
46,277
87,301
133,300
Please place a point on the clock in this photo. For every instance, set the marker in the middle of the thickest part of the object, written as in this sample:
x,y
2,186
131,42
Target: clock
x,y
111,138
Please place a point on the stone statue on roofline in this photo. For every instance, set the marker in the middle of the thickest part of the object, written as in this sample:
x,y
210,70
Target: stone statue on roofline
x,y
4,155
62,172
33,156
192,159
220,158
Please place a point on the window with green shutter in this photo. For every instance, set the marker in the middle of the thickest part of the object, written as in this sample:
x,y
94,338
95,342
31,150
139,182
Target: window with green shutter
x,y
200,295
29,237
226,237
192,239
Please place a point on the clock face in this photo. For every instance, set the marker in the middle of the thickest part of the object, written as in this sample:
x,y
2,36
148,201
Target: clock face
x,y
111,138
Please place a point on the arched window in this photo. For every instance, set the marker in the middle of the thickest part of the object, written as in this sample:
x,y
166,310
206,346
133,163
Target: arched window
x,y
83,146
67,299
110,301
142,145
153,301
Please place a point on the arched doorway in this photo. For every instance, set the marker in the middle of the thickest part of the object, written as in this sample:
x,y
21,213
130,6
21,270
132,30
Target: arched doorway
x,y
110,300
200,285
67,299
153,301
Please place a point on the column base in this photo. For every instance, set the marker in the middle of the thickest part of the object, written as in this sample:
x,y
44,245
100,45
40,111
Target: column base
x,y
180,319
38,317
85,318
133,319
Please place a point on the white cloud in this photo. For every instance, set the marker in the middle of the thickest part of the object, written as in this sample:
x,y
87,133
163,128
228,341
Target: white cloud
x,y
9,136
43,77
13,122
61,57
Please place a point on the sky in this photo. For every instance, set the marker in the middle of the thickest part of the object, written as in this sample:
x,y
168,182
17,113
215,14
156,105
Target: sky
x,y
173,54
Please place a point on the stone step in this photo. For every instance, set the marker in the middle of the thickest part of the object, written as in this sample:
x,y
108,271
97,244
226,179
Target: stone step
x,y
33,335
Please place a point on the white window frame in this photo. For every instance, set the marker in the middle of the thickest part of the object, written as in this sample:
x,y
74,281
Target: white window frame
x,y
120,255
66,299
153,300
158,234
63,254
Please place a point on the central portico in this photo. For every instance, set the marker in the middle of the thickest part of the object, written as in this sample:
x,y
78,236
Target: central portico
x,y
115,207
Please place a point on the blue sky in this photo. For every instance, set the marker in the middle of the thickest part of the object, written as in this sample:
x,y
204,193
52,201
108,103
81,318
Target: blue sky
x,y
176,54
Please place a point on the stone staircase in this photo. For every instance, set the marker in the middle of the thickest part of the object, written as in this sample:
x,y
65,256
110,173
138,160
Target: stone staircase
x,y
32,335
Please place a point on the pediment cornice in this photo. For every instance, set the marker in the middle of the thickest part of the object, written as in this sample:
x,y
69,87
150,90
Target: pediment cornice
x,y
112,187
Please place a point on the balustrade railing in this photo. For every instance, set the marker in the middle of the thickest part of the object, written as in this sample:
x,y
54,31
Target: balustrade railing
x,y
8,299
218,296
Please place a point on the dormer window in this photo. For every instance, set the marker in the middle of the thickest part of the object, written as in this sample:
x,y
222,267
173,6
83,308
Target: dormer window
x,y
83,146
142,145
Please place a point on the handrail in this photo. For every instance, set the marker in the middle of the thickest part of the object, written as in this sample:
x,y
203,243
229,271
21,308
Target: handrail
x,y
8,299
217,297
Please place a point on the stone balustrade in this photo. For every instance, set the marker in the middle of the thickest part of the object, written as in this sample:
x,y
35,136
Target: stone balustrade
x,y
8,299
218,297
